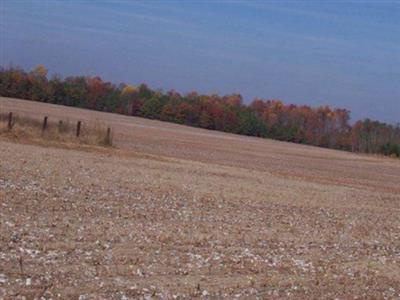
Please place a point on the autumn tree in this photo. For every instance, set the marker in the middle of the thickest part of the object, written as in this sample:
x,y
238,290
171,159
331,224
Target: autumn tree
x,y
39,87
319,126
130,102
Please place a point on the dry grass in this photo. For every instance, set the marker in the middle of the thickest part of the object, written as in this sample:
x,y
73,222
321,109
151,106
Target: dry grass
x,y
184,213
28,129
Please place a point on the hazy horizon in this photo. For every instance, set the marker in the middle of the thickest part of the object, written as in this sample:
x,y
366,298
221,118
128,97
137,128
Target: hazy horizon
x,y
344,55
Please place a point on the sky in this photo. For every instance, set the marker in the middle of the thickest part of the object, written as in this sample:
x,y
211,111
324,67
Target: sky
x,y
340,53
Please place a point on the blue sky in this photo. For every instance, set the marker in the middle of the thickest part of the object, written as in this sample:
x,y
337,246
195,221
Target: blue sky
x,y
339,53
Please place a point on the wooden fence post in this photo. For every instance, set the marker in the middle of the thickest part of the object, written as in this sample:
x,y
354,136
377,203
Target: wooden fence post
x,y
60,125
44,127
108,139
78,129
108,134
10,120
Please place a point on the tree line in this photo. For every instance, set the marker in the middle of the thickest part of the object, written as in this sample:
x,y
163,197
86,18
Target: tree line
x,y
319,126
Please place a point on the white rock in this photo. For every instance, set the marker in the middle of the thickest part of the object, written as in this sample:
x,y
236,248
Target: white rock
x,y
3,278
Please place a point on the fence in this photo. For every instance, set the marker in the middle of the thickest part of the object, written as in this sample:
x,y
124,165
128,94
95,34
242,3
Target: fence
x,y
60,127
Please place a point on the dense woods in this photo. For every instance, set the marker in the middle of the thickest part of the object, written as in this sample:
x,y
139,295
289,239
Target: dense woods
x,y
319,126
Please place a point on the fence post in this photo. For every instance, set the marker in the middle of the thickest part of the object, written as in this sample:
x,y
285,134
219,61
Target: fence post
x,y
10,119
60,125
108,134
78,129
44,127
108,139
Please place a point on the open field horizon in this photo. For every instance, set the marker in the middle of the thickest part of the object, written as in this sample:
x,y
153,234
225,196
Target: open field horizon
x,y
182,212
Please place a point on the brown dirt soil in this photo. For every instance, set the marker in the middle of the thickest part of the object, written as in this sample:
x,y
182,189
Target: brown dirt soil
x,y
175,212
